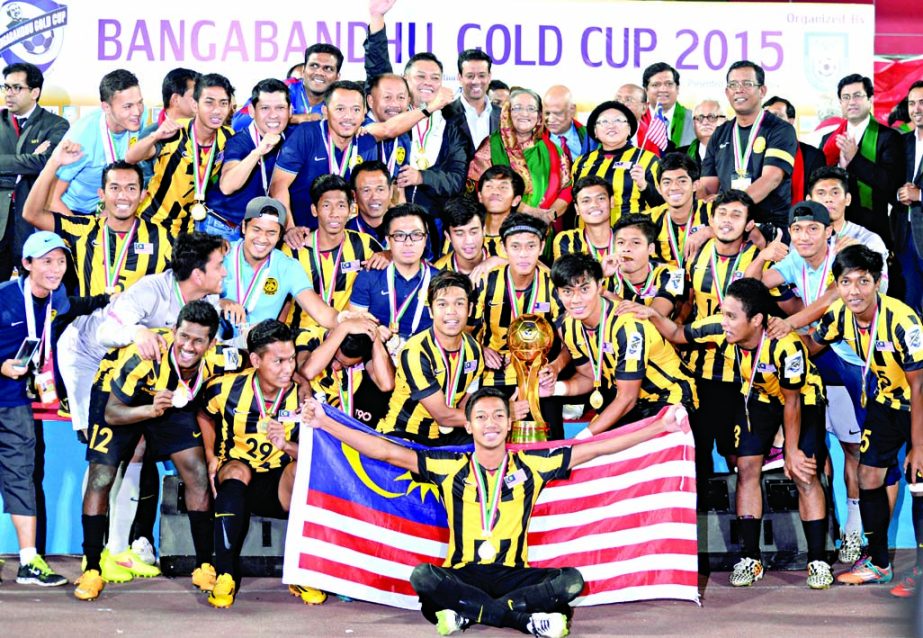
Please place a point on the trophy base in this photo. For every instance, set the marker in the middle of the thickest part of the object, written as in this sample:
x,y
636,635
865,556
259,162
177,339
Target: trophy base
x,y
528,432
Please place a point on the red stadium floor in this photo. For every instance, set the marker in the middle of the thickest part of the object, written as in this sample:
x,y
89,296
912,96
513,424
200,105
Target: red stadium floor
x,y
779,605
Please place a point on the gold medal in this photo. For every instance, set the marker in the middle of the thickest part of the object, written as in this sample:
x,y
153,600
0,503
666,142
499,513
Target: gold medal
x,y
180,398
198,211
596,399
262,426
422,163
110,290
486,551
394,327
864,399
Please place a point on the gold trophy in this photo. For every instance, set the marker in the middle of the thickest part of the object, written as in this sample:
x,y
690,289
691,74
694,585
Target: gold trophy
x,y
529,339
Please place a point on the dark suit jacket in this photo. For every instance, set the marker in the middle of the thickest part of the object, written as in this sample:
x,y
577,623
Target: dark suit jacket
x,y
17,158
885,176
813,159
900,224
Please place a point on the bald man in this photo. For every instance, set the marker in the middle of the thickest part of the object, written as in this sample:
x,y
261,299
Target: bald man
x,y
569,134
635,98
706,117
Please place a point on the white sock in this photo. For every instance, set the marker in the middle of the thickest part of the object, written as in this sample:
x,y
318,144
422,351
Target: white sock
x,y
26,554
122,510
853,516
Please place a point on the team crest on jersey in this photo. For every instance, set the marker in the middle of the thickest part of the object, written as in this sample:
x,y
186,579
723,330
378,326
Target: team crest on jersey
x,y
794,366
914,339
357,159
401,154
759,144
635,344
271,286
32,31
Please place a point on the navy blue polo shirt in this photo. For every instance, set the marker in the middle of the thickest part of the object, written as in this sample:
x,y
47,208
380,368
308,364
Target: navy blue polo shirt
x,y
370,291
296,94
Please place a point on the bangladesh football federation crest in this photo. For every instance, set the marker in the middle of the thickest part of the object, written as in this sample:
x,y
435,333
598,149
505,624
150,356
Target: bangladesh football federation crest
x,y
825,58
32,31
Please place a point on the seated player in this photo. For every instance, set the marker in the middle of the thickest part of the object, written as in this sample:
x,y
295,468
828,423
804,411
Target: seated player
x,y
682,221
348,367
463,220
437,369
622,363
891,394
137,396
781,387
486,578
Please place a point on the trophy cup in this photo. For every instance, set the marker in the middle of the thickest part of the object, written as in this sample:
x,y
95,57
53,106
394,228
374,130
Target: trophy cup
x,y
529,338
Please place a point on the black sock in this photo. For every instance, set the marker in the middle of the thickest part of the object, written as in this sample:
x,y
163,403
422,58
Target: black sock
x,y
815,533
551,595
917,514
873,505
148,495
229,524
750,537
203,536
94,534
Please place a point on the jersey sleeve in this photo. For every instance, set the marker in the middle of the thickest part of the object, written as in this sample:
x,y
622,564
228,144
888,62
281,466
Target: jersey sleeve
x,y
829,326
792,364
309,340
129,378
418,370
909,344
294,151
361,295
70,227
212,400
434,466
632,352
704,330
781,147
670,284
549,465
786,268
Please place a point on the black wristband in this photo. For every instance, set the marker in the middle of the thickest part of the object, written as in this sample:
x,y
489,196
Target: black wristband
x,y
425,112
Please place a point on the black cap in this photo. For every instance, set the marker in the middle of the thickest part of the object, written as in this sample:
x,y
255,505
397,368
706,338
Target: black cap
x,y
605,106
259,206
809,211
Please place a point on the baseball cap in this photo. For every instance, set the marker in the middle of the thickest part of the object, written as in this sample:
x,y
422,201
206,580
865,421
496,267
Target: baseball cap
x,y
809,211
260,206
41,243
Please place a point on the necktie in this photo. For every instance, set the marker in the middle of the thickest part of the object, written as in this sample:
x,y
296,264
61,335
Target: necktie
x,y
18,124
564,147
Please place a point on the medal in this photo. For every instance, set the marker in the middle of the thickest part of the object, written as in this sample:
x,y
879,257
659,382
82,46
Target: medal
x,y
596,252
393,345
346,397
422,163
105,134
489,504
596,399
393,328
183,393
511,294
326,289
596,362
331,156
645,291
180,398
396,311
821,286
673,239
486,551
178,293
262,425
719,288
873,333
266,416
198,211
452,373
742,157
113,270
422,137
754,367
110,290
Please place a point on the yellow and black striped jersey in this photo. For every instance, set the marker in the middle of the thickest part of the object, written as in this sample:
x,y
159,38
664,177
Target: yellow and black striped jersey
x,y
422,370
632,350
144,250
663,281
671,237
334,386
346,261
782,363
614,167
577,241
526,473
171,191
494,246
449,263
710,274
493,312
898,345
233,406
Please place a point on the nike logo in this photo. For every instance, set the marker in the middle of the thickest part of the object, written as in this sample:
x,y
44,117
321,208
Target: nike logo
x,y
319,159
851,433
722,145
222,515
196,435
16,323
384,292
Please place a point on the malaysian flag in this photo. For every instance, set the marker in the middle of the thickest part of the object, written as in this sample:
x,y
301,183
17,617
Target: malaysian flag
x,y
657,130
627,521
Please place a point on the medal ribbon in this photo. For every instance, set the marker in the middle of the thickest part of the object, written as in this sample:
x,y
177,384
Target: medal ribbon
x,y
511,294
452,375
261,402
610,249
597,362
112,272
645,288
45,348
178,293
200,376
326,291
398,312
742,160
346,400
808,299
755,364
490,503
108,141
423,138
392,161
200,174
257,138
249,298
331,155
721,289
870,353
672,237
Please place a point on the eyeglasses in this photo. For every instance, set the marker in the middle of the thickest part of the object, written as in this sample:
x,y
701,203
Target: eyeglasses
x,y
669,84
527,109
613,122
749,85
711,117
855,97
400,237
13,89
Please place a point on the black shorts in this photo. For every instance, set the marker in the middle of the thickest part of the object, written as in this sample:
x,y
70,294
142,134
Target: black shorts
x,y
765,421
175,431
715,417
884,432
263,494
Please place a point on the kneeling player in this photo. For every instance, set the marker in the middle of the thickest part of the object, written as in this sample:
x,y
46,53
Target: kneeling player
x,y
485,578
156,399
250,426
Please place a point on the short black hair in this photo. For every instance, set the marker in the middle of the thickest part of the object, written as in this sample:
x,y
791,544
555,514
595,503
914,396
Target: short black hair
x,y
115,81
680,162
654,69
523,222
266,333
329,182
732,195
425,56
323,47
502,171
210,80
122,165
269,85
641,222
448,279
829,172
591,180
176,81
568,269
498,85
485,393
292,68
192,251
376,80
34,77
755,298
789,107
459,211
405,210
858,257
369,167
344,85
747,64
854,78
202,313
473,55
916,85
357,346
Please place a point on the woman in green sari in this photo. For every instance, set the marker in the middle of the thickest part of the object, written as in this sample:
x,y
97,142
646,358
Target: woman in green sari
x,y
523,144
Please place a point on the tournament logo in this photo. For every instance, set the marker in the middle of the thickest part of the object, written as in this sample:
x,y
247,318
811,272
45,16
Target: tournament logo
x,y
32,31
271,286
